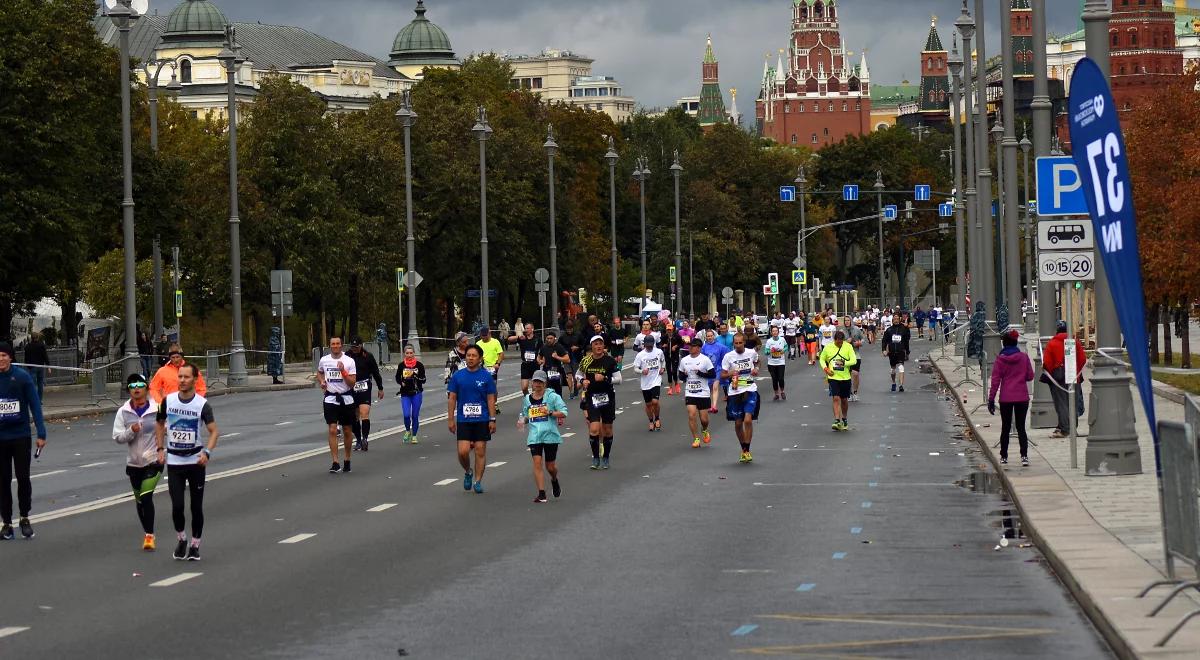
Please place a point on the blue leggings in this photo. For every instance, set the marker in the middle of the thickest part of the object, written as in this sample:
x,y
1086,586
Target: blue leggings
x,y
411,405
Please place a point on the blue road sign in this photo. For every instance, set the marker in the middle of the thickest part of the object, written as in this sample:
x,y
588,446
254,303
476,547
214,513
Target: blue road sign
x,y
890,212
787,193
1059,188
922,193
850,192
800,277
946,210
1099,153
474,293
995,207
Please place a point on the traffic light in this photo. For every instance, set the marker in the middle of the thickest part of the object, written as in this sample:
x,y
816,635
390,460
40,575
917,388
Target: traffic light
x,y
773,282
673,274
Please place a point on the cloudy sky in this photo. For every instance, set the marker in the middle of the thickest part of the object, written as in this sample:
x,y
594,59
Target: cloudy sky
x,y
653,47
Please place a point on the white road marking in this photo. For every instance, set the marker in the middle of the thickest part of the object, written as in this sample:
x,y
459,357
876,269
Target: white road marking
x,y
620,412
172,581
93,464
382,507
445,482
497,464
286,423
44,474
296,539
12,630
230,435
568,435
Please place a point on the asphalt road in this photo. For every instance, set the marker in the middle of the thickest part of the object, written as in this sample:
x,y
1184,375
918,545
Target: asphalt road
x,y
855,544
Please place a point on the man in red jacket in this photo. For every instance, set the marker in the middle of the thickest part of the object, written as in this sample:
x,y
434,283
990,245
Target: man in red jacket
x,y
1053,362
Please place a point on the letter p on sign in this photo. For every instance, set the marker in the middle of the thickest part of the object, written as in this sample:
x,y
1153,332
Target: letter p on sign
x,y
1062,174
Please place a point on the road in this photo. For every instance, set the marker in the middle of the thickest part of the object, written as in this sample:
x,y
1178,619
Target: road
x,y
856,544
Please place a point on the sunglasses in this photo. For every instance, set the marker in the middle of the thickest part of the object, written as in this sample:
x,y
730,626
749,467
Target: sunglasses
x,y
136,386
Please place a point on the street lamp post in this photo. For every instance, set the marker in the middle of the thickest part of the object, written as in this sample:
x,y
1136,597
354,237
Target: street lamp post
x,y
879,205
408,118
676,170
1041,411
691,279
1112,444
1012,245
955,64
237,358
612,157
641,173
966,27
987,245
1001,248
801,184
1026,145
551,147
482,131
156,250
123,16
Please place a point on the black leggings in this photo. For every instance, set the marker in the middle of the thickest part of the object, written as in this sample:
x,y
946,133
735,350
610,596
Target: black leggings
x,y
1007,411
672,365
144,480
15,454
776,376
194,476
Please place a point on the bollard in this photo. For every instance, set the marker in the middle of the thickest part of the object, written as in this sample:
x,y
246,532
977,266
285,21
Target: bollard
x,y
212,372
99,378
317,355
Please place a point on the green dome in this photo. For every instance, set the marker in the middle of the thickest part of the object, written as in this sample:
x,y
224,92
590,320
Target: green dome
x,y
421,42
195,18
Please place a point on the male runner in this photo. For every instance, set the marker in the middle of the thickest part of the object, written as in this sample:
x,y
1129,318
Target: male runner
x,y
715,351
529,345
598,374
493,355
725,335
135,425
178,435
836,360
650,363
615,337
554,359
697,373
365,369
336,377
854,335
740,366
471,415
19,404
895,346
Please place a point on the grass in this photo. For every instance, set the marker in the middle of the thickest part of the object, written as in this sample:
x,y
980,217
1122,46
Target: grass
x,y
1189,383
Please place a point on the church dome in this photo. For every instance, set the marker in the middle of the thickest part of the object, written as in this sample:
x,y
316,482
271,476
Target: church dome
x,y
195,18
421,42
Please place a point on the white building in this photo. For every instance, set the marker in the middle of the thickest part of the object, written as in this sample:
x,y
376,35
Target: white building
x,y
566,77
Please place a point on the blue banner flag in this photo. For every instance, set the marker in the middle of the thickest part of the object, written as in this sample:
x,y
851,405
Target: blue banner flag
x,y
1099,153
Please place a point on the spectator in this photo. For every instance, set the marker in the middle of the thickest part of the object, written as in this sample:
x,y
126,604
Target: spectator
x,y
275,356
36,354
160,349
1011,373
1054,366
145,350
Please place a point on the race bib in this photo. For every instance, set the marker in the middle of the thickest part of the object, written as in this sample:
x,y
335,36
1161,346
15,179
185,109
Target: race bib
x,y
895,339
10,409
410,373
182,438
776,352
600,400
472,410
530,356
539,413
839,364
333,375
695,388
362,386
554,375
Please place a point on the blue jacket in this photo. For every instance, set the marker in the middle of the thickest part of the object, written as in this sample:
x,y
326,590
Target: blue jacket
x,y
715,351
18,398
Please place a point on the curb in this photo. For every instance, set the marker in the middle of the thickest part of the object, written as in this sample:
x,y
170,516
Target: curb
x,y
109,408
1116,641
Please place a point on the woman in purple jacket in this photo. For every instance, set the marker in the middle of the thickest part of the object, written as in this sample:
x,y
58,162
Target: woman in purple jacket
x,y
1011,373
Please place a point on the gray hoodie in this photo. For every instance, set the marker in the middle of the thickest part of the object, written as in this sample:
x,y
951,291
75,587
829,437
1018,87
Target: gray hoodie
x,y
142,446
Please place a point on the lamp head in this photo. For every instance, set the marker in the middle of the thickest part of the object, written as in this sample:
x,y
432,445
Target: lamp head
x,y
611,156
551,146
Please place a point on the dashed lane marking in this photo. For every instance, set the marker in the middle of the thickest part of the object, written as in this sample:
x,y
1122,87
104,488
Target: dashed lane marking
x,y
569,435
497,464
742,631
172,581
45,474
290,421
866,505
839,555
12,630
445,482
291,540
856,530
807,586
382,507
91,465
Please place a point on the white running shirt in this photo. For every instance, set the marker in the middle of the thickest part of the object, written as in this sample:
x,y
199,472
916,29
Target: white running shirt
x,y
655,361
696,386
741,364
335,385
827,331
777,350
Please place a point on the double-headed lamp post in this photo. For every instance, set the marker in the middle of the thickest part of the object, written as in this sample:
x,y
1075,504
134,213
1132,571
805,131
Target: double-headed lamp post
x,y
153,69
551,147
802,238
955,65
879,209
677,293
1030,324
612,157
408,117
237,358
123,17
641,173
483,131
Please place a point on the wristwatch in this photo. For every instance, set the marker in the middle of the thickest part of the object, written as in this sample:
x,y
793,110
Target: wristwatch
x,y
207,452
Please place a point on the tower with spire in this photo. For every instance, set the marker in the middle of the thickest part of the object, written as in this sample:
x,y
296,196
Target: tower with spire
x,y
712,101
813,95
1022,39
934,101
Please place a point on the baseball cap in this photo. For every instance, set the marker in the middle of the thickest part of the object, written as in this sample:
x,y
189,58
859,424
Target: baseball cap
x,y
540,376
7,348
357,341
596,338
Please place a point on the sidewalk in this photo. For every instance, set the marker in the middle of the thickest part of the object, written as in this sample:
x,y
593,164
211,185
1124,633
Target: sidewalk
x,y
1102,535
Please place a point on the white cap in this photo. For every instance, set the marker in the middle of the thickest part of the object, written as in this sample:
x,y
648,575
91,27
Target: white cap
x,y
595,337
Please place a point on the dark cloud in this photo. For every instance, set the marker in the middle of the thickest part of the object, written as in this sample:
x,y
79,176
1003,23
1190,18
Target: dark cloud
x,y
653,47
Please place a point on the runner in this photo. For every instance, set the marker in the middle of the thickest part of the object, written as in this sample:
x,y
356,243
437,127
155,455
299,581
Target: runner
x,y
616,341
725,335
598,373
19,403
854,335
366,369
410,376
705,323
836,360
672,342
166,379
791,326
135,425
493,355
740,366
895,346
572,342
457,357
178,434
776,349
471,415
715,351
919,316
336,377
698,373
529,346
810,334
650,363
544,410
554,360
825,332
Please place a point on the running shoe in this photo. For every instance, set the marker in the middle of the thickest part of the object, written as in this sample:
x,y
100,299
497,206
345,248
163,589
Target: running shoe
x,y
478,486
837,425
1003,460
335,468
604,463
414,440
555,488
658,425
749,457
1058,434
181,550
745,457
651,427
707,437
346,467
595,463
467,476
404,437
6,532
1024,461
776,397
193,553
783,395
695,443
893,387
366,446
148,543
540,498
901,388
26,528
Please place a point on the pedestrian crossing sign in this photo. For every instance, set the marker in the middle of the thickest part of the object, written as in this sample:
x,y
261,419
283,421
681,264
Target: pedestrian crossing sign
x,y
674,274
800,277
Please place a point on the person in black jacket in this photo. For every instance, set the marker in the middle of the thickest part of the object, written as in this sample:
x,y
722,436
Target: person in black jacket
x,y
35,353
895,346
410,376
366,369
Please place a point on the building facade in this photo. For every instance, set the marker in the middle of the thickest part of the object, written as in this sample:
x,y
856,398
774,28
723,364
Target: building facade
x,y
814,96
566,77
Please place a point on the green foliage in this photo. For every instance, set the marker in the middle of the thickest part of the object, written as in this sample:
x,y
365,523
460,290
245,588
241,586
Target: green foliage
x,y
104,284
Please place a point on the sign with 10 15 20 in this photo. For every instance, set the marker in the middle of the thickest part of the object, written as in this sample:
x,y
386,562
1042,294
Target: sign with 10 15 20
x,y
1066,266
